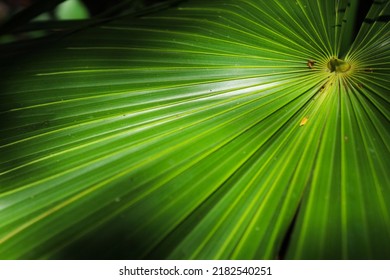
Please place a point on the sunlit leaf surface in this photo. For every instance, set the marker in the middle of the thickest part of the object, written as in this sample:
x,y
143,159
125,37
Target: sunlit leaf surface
x,y
211,130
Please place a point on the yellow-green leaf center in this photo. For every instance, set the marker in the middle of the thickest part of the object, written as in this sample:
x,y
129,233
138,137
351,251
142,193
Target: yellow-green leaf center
x,y
338,65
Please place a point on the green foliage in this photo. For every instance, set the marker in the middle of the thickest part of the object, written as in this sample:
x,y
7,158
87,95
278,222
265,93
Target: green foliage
x,y
72,9
202,131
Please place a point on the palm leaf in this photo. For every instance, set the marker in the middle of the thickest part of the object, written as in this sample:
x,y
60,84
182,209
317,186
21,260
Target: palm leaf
x,y
210,130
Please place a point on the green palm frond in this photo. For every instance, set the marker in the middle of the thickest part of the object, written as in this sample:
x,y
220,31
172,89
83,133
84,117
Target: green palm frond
x,y
210,130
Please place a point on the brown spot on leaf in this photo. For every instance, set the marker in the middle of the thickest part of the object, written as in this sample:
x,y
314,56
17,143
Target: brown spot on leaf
x,y
310,63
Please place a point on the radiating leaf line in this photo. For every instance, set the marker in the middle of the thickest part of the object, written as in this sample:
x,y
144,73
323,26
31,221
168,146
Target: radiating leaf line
x,y
209,38
173,50
199,132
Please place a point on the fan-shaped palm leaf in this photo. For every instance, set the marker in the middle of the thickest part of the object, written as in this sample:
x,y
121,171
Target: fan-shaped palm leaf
x,y
200,132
